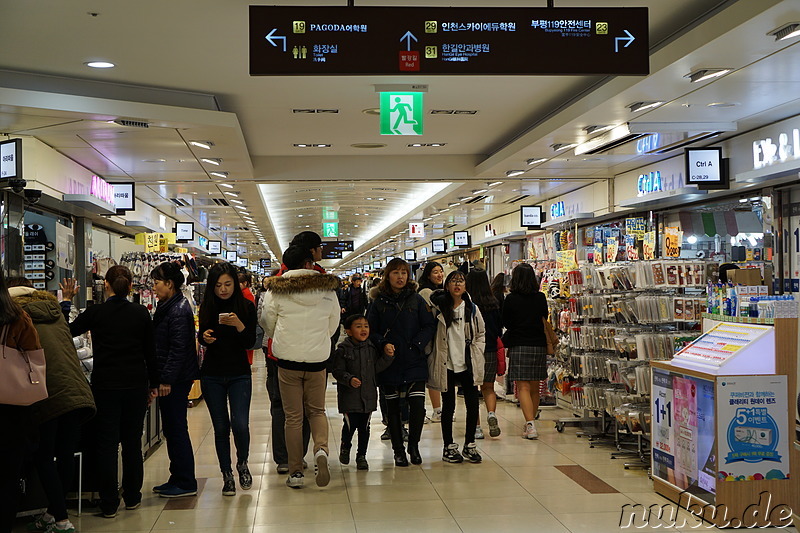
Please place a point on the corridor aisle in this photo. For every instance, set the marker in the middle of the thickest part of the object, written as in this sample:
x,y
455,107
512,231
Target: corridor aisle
x,y
517,487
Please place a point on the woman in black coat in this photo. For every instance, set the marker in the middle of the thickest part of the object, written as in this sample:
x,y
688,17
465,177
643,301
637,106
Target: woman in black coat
x,y
401,326
523,312
176,356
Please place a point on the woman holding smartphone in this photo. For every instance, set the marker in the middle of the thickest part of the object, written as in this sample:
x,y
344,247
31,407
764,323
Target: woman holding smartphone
x,y
228,330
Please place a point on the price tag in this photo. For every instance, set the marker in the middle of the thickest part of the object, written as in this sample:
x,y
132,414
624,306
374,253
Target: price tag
x,y
631,250
612,249
672,242
598,253
649,246
566,260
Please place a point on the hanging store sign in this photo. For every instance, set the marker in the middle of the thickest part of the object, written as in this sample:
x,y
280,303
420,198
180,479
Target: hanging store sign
x,y
416,230
531,216
706,168
11,159
767,152
401,113
124,196
333,40
214,247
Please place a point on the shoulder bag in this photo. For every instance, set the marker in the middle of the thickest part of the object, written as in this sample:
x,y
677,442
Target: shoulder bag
x,y
22,374
551,336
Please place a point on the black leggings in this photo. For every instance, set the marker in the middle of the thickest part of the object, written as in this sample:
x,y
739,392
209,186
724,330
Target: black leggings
x,y
55,459
353,422
414,394
449,406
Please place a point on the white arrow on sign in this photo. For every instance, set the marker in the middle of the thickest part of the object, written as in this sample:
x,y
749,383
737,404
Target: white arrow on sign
x,y
630,38
271,38
408,36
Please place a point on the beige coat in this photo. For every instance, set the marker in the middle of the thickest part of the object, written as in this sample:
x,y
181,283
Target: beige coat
x,y
437,361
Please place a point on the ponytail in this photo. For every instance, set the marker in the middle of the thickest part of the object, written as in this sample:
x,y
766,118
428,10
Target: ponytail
x,y
120,279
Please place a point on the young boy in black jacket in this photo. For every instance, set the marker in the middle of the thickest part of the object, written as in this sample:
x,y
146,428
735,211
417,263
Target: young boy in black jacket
x,y
355,363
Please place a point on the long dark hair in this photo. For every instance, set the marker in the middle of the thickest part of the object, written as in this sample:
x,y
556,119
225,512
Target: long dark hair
x,y
169,272
10,311
480,292
209,309
425,280
120,278
395,264
498,287
523,279
446,306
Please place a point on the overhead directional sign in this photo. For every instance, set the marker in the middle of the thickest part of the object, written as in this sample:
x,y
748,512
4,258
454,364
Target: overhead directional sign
x,y
338,40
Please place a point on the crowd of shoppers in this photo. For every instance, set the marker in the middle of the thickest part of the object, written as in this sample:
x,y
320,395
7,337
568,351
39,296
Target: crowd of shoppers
x,y
401,338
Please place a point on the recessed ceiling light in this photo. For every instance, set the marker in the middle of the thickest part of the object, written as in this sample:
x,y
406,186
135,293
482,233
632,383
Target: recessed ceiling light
x,y
381,199
228,185
237,201
355,225
161,181
787,31
536,161
707,74
415,145
437,145
232,194
557,147
723,104
641,106
597,128
211,161
372,111
495,184
368,146
479,191
513,173
100,64
202,144
300,216
220,174
154,160
454,204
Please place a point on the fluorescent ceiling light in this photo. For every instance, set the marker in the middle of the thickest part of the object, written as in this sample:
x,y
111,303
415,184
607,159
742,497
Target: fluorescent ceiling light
x,y
232,194
557,147
220,174
512,174
495,183
211,161
100,64
536,161
641,106
202,144
707,74
237,202
787,31
455,204
479,191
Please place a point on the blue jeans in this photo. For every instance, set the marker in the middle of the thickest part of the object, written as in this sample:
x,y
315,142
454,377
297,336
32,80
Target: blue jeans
x,y
176,430
218,391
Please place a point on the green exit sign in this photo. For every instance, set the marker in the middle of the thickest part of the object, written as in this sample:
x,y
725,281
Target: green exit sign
x,y
401,113
330,229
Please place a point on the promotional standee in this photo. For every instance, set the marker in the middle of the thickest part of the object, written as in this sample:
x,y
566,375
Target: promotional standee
x,y
721,419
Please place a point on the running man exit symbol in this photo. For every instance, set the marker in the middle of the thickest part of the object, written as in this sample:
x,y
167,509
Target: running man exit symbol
x,y
401,113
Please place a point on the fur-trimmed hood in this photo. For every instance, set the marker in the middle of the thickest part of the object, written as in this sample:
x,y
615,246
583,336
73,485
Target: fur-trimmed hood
x,y
411,286
42,306
301,281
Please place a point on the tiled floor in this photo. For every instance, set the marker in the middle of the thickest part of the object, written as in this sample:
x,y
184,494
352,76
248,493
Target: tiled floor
x,y
517,487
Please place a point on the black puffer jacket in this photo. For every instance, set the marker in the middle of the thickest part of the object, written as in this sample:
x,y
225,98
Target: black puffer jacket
x,y
403,320
354,359
176,351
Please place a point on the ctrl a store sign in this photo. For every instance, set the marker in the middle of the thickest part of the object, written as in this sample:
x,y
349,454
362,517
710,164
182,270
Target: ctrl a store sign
x,y
402,113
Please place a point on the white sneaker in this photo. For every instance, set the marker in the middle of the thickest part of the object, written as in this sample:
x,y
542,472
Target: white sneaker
x,y
295,481
479,433
436,416
530,432
322,473
494,426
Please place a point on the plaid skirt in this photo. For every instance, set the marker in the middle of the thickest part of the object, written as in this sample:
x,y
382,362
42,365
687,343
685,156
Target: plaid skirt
x,y
527,363
490,367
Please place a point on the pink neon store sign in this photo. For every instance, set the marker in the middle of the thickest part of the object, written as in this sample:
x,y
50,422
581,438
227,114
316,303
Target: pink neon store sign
x,y
102,189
